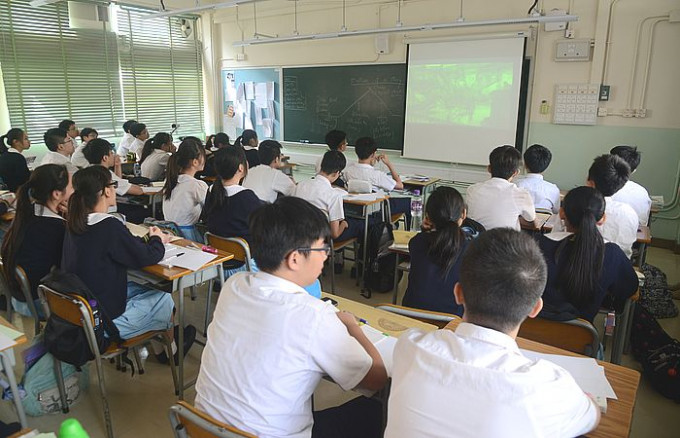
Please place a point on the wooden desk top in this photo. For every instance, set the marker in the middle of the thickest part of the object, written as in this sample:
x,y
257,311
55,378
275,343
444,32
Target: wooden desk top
x,y
175,272
8,217
363,203
616,422
390,323
21,339
644,235
418,183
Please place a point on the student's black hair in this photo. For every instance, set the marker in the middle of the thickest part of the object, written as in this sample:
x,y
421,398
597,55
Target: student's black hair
x,y
245,137
96,150
609,173
38,190
87,131
333,161
268,151
629,154
53,137
218,140
14,134
127,125
137,129
335,138
155,142
227,162
537,158
444,209
190,149
364,147
504,161
66,124
282,227
88,184
503,274
580,256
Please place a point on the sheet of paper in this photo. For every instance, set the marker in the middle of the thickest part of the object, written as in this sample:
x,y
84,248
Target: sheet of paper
x,y
137,230
258,116
248,123
402,237
268,128
261,94
185,257
271,114
383,343
6,342
241,92
362,197
270,90
158,184
10,332
231,92
250,90
151,190
586,371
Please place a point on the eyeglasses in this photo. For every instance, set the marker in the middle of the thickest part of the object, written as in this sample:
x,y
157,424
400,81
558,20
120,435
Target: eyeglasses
x,y
326,249
113,184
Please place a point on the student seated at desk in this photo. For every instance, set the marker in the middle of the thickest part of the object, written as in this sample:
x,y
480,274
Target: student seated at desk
x,y
497,202
99,249
86,135
248,139
141,135
13,168
583,270
608,174
71,130
546,195
155,156
336,141
184,195
436,254
266,180
35,237
213,144
475,382
319,192
60,147
633,193
126,141
270,343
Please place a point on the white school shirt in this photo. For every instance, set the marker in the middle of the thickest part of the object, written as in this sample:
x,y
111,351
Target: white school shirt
x,y
365,172
154,165
78,158
57,158
620,225
637,197
476,383
545,194
269,345
319,192
123,184
268,182
124,146
136,146
497,203
186,202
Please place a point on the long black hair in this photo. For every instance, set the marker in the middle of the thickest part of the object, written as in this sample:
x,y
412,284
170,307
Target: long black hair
x,y
14,134
190,149
38,189
245,137
227,162
445,207
156,142
219,140
580,257
88,185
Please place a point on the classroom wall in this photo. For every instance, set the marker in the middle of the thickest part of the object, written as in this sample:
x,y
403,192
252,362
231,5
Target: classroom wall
x,y
574,147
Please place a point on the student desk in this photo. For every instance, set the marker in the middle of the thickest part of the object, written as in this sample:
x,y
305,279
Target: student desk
x,y
8,216
182,279
616,422
5,356
425,187
644,238
401,252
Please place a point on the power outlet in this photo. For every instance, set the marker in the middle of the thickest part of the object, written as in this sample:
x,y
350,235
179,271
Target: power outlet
x,y
628,113
240,56
641,113
601,112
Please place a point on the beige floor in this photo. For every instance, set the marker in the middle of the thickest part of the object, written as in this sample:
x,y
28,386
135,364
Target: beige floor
x,y
139,404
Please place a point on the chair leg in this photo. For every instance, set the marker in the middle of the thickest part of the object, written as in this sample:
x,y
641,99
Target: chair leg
x,y
60,385
173,369
193,293
208,302
138,360
105,400
332,269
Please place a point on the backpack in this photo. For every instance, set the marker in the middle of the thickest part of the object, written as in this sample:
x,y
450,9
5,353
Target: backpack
x,y
66,341
380,263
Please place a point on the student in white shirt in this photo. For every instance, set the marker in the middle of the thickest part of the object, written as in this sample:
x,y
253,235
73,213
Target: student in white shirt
x,y
608,174
321,194
183,194
126,141
140,134
546,195
265,179
60,147
336,140
281,355
475,382
86,135
633,193
71,129
155,156
497,202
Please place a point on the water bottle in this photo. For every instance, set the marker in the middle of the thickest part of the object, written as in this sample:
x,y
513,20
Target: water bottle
x,y
71,428
137,169
416,210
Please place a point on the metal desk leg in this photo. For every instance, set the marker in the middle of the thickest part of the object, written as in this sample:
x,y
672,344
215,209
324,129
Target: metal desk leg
x,y
364,256
396,280
180,341
9,371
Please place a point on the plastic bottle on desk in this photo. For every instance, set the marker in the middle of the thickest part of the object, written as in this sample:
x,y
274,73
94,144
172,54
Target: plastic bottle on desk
x,y
416,210
137,169
71,428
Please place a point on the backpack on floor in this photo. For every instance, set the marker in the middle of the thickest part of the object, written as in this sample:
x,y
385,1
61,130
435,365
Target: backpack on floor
x,y
655,296
379,270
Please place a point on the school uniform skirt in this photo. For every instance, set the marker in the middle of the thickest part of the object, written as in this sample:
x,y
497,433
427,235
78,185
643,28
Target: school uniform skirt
x,y
146,309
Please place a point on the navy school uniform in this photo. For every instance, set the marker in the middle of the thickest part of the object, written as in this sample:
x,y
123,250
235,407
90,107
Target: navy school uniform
x,y
232,219
13,169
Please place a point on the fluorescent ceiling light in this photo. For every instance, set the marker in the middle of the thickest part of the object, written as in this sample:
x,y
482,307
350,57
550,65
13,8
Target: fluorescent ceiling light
x,y
195,9
346,33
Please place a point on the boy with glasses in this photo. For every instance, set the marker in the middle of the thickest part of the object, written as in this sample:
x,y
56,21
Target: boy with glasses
x,y
60,146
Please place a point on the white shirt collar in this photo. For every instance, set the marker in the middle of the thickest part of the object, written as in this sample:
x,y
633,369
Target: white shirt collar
x,y
249,148
232,190
488,335
277,283
499,181
323,180
42,211
534,176
95,218
13,151
364,165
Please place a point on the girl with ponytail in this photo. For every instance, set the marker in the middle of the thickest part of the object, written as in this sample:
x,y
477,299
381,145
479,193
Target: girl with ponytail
x,y
35,237
436,254
155,155
582,269
183,194
13,168
248,139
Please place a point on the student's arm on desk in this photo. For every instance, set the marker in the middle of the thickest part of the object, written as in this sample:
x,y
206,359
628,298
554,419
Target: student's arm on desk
x,y
376,378
135,190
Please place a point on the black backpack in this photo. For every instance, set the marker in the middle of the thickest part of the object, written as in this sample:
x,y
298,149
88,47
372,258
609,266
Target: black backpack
x,y
379,269
66,341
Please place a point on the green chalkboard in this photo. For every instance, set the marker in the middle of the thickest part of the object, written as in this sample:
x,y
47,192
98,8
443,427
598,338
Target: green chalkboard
x,y
362,100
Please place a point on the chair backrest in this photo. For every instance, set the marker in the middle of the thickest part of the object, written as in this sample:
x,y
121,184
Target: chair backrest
x,y
5,286
440,319
576,335
71,308
235,245
189,422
